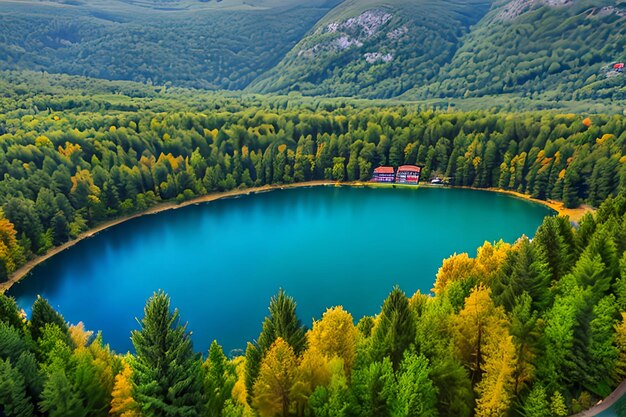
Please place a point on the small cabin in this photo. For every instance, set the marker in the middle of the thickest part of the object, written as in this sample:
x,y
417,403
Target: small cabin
x,y
408,174
383,174
619,67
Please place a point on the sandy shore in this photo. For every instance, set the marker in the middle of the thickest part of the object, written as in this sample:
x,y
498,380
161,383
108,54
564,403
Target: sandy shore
x,y
574,214
28,266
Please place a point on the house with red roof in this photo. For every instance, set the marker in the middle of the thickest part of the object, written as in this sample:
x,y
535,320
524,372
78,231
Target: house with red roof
x,y
408,174
383,174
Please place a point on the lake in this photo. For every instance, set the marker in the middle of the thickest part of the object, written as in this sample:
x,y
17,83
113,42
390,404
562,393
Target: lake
x,y
222,261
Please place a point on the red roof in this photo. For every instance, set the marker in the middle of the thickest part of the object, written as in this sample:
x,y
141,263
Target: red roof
x,y
383,170
409,168
619,65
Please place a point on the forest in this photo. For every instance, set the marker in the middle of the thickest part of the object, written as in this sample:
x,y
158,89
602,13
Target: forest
x,y
68,163
534,328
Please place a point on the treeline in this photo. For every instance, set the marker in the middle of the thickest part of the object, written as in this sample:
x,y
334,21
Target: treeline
x,y
534,329
66,171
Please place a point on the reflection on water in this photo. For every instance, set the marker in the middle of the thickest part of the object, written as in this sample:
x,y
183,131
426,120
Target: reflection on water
x,y
221,262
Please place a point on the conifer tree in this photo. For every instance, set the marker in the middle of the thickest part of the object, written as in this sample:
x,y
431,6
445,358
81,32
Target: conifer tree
x,y
395,330
417,397
167,374
536,404
14,401
59,397
551,243
219,381
9,312
375,389
122,402
282,322
44,314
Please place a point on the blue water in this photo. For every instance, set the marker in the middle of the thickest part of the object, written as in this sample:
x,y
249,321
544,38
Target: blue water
x,y
222,261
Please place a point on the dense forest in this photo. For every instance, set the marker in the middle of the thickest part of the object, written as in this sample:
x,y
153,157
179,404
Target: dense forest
x,y
550,51
534,329
560,53
209,45
69,163
374,49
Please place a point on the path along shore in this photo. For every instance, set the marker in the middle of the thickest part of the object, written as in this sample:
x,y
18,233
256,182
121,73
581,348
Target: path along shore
x,y
574,214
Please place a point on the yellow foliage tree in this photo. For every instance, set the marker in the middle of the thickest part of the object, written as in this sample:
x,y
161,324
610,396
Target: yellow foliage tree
x,y
478,319
10,252
43,141
79,335
335,335
313,371
454,268
123,404
69,149
495,390
489,259
271,391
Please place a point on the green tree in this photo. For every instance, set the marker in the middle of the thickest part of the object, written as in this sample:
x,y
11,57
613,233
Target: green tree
x,y
14,401
416,394
167,374
282,322
394,332
43,314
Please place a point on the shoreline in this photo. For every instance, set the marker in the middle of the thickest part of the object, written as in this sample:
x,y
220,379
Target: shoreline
x,y
24,270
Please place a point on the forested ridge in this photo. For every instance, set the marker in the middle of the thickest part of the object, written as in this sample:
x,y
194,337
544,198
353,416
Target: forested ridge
x,y
532,328
548,51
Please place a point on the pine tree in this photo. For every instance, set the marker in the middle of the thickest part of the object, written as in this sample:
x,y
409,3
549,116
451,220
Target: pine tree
x,y
555,249
282,322
219,381
536,404
417,397
14,401
44,314
59,397
9,312
395,330
524,271
167,374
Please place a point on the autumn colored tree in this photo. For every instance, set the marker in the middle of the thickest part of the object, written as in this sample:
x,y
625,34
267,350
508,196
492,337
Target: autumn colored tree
x,y
282,322
122,402
335,335
472,326
272,389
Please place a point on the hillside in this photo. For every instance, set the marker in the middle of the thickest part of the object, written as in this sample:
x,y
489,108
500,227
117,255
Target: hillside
x,y
374,49
210,45
521,54
558,49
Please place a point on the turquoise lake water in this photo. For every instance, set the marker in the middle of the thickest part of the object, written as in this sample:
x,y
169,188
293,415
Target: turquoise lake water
x,y
222,261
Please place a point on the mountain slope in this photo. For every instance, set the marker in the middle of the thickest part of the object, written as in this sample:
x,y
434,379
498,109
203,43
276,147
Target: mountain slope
x,y
374,48
560,49
211,44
